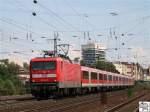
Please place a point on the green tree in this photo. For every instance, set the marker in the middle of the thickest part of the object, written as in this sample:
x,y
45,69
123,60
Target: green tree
x,y
26,66
13,68
5,61
3,70
1,86
103,65
9,80
82,63
9,87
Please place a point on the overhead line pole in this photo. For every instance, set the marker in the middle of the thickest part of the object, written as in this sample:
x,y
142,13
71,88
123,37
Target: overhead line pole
x,y
55,43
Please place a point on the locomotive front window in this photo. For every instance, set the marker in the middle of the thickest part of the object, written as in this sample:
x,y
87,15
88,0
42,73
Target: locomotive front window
x,y
45,65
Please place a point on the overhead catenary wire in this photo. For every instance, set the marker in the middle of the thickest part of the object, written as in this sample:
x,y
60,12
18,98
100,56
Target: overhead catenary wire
x,y
131,22
133,28
77,13
14,23
20,26
26,47
47,23
19,7
30,10
25,7
17,25
50,11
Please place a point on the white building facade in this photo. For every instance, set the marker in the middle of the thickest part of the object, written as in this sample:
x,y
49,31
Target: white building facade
x,y
93,52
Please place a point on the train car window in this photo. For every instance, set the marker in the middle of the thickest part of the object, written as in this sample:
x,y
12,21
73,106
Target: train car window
x,y
85,74
119,78
123,79
105,77
114,78
100,76
93,75
109,77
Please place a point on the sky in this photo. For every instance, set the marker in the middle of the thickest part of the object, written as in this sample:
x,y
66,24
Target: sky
x,y
121,25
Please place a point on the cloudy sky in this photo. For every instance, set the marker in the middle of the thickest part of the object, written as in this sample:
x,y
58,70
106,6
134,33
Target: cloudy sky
x,y
121,25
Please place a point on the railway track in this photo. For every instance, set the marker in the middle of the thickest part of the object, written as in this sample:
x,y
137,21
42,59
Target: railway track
x,y
65,105
51,104
6,106
79,103
17,98
130,105
11,100
35,105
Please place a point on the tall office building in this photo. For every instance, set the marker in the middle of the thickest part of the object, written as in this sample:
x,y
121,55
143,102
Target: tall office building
x,y
93,52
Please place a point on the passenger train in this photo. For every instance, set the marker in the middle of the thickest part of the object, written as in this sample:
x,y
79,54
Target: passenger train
x,y
55,76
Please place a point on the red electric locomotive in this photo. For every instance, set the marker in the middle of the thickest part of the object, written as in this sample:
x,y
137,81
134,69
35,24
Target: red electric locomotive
x,y
50,76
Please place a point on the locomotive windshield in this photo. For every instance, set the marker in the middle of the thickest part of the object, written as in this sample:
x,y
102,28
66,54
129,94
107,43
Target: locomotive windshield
x,y
44,65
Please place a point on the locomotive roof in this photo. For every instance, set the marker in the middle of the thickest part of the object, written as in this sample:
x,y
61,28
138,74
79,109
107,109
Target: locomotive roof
x,y
50,59
46,59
